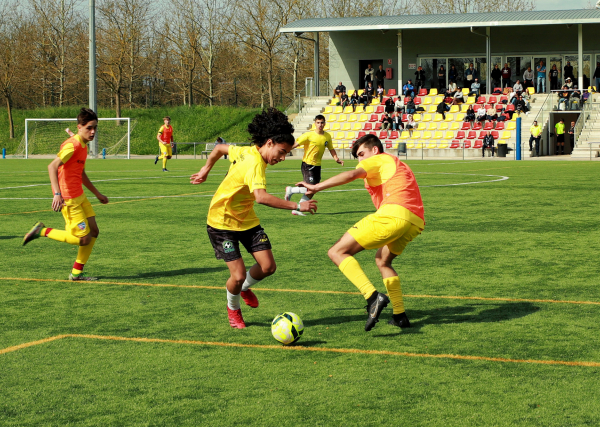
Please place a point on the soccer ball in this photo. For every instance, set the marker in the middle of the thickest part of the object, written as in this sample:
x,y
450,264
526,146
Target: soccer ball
x,y
287,328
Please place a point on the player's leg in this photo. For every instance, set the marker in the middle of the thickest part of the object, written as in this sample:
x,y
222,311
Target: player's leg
x,y
237,275
167,155
85,250
258,244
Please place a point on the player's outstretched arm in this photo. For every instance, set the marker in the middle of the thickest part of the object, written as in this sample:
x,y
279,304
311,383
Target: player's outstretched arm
x,y
57,202
262,197
334,181
219,151
335,157
88,184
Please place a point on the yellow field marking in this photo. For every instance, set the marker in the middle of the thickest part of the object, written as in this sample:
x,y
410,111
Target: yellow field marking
x,y
302,348
310,291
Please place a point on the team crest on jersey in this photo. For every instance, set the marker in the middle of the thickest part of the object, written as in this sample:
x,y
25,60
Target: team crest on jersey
x,y
310,179
228,246
81,226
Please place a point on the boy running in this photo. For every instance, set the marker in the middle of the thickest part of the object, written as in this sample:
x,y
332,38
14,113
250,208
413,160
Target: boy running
x,y
398,220
231,217
67,174
165,139
314,144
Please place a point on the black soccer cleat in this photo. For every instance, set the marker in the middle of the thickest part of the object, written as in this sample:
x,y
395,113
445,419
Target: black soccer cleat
x,y
156,160
399,320
375,307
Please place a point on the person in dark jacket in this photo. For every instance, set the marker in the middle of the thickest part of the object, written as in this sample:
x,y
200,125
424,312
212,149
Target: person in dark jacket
x,y
419,78
488,142
442,108
380,77
496,76
596,77
553,78
441,78
389,105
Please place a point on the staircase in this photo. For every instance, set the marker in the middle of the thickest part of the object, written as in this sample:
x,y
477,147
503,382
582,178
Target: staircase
x,y
590,134
312,106
536,103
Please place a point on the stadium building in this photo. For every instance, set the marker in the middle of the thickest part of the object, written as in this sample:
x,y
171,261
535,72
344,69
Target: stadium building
x,y
401,44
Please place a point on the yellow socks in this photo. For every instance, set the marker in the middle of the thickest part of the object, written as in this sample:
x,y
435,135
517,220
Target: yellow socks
x,y
82,257
351,269
60,236
164,162
392,284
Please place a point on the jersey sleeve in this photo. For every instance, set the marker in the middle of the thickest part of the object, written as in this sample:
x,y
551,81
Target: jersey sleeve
x,y
161,130
303,140
66,152
255,178
328,141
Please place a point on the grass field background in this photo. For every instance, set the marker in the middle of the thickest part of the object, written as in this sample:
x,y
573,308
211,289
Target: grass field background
x,y
505,272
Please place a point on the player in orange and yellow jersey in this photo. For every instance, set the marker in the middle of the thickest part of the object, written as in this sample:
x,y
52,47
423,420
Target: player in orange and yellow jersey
x,y
398,220
67,174
165,139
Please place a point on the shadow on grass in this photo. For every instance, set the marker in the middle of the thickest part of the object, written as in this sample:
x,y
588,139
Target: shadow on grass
x,y
169,273
10,237
346,212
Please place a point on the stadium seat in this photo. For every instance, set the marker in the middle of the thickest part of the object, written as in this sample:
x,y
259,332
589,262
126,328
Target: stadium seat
x,y
432,109
488,106
510,126
342,118
338,110
500,125
416,135
360,92
373,133
395,144
481,100
377,126
438,135
327,126
379,109
417,117
504,98
482,134
348,110
466,91
368,126
442,145
332,118
360,109
470,100
432,126
460,134
422,126
464,108
506,134
405,134
426,135
493,100
375,101
313,127
488,126
361,134
459,117
350,92
476,107
455,144
417,101
478,144
449,135
334,101
449,117
495,134
404,117
352,118
438,118
444,126
426,118
363,118
499,107
510,107
419,145
438,99
383,134
340,135
465,126
497,90
472,135
454,109
410,145
531,90
476,126
328,110
423,92
336,126
388,144
467,144
357,126
432,145
391,92
374,118
369,109
433,91
394,134
427,100
346,126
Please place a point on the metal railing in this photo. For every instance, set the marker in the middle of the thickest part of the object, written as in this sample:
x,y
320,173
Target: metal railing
x,y
325,88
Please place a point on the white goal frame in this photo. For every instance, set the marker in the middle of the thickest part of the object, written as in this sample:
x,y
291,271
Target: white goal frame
x,y
127,119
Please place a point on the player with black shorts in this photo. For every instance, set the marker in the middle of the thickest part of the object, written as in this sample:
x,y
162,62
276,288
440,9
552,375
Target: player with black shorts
x,y
231,217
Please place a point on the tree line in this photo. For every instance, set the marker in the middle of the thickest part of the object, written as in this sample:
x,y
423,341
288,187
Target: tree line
x,y
177,52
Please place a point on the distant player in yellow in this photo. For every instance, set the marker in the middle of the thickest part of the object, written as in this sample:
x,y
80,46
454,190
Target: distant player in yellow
x,y
398,220
165,139
231,217
314,143
67,174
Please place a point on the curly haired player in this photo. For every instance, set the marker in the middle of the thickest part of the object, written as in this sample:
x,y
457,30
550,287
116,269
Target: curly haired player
x,y
231,217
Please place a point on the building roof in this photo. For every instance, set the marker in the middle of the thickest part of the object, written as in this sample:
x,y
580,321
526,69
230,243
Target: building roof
x,y
457,20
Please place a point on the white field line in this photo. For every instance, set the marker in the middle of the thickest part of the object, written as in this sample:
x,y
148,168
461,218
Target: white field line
x,y
500,178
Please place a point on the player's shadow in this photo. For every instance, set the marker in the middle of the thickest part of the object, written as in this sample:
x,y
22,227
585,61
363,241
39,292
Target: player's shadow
x,y
345,212
170,273
10,237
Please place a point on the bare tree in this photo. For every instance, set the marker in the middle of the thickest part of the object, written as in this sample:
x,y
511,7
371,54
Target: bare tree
x,y
470,6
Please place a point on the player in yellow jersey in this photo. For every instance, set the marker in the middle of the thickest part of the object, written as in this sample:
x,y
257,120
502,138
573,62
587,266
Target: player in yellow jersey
x,y
231,217
67,174
314,144
165,140
398,220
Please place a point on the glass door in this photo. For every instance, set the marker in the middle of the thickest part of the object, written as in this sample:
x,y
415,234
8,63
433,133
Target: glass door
x,y
518,65
432,68
458,72
555,72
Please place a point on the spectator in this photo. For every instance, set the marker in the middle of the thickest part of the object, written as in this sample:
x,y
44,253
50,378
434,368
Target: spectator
x,y
452,88
380,93
354,100
572,136
220,140
560,137
344,100
397,121
338,91
386,122
458,97
409,105
536,134
419,78
541,78
568,71
481,115
491,115
442,108
399,105
506,75
496,76
569,83
596,77
575,99
452,74
410,123
442,77
389,105
488,142
528,78
408,89
475,87
470,115
470,74
369,73
368,94
563,97
518,87
553,77
380,77
521,105
586,96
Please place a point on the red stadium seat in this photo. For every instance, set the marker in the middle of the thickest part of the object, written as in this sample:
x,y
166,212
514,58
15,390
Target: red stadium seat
x,y
476,126
466,126
388,144
488,126
510,107
499,107
361,134
472,135
478,144
495,134
455,144
476,107
492,100
422,92
504,98
374,118
379,109
467,144
383,134
460,134
418,101
373,133
488,106
394,134
481,100
377,126
368,126
482,134
404,117
497,90
500,126
391,92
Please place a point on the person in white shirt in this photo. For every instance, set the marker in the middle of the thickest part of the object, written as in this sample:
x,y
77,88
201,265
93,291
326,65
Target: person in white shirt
x,y
528,77
399,105
518,87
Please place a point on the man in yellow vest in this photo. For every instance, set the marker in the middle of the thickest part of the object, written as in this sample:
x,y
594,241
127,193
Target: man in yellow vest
x,y
560,137
536,135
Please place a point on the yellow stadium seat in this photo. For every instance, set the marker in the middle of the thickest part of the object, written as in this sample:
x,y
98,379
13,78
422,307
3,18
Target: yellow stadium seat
x,y
426,135
433,91
336,126
342,118
531,90
332,118
416,135
338,110
454,109
419,145
426,118
427,100
357,126
443,145
359,109
328,110
465,91
348,109
363,118
449,135
464,108
438,118
334,101
432,109
421,126
360,92
352,118
438,135
350,135
449,118
438,99
455,126
369,110
470,100
395,144
459,117
405,134
336,144
506,134
432,126
417,117
346,126
443,126
313,127
511,126
340,135
514,118
350,92
375,101
432,145
410,145
327,126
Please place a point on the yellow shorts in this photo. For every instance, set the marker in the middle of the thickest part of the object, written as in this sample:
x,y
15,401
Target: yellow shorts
x,y
376,231
165,149
76,213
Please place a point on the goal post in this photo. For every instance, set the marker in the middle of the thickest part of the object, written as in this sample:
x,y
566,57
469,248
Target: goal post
x,y
45,136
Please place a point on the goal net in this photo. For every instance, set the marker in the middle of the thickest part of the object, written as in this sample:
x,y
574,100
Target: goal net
x,y
45,136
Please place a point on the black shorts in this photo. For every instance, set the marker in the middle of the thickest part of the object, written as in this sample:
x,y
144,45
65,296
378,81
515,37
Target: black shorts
x,y
226,243
311,174
560,137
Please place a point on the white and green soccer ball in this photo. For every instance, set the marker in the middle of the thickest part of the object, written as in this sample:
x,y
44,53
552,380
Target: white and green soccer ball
x,y
287,328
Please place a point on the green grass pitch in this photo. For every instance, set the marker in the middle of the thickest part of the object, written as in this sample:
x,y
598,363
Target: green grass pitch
x,y
515,247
